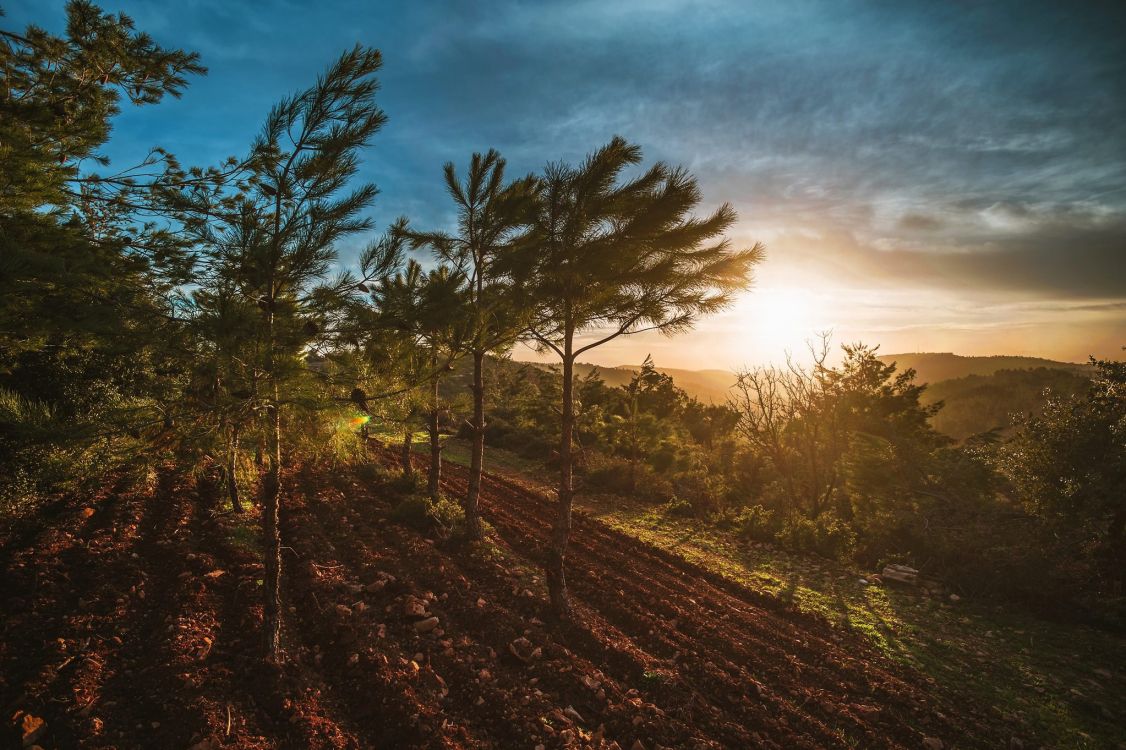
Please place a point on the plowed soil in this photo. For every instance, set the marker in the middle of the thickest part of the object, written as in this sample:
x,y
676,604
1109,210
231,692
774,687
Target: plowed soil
x,y
131,621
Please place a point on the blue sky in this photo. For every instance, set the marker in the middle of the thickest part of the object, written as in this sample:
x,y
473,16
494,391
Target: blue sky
x,y
927,176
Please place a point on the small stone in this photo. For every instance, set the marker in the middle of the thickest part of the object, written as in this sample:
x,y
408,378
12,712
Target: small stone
x,y
955,598
425,626
522,649
932,743
480,603
354,659
573,715
480,700
31,729
414,607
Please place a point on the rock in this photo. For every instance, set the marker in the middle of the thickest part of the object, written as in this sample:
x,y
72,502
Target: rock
x,y
955,598
863,581
522,649
425,626
480,603
900,574
573,715
31,728
932,743
590,682
414,607
343,611
375,586
359,608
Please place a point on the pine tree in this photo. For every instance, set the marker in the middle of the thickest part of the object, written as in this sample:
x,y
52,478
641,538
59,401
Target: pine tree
x,y
427,313
492,220
275,239
614,257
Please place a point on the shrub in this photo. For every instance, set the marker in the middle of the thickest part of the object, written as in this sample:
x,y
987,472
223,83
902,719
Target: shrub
x,y
420,512
825,535
413,510
678,508
756,523
447,513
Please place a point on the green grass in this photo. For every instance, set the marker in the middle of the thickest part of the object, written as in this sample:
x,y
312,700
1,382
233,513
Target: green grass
x,y
1032,672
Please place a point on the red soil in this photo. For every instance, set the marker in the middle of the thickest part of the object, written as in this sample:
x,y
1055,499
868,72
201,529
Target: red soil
x,y
136,626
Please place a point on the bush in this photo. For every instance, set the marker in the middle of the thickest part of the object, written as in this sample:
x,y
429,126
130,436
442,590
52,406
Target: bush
x,y
447,513
420,512
825,535
413,510
756,523
612,475
678,508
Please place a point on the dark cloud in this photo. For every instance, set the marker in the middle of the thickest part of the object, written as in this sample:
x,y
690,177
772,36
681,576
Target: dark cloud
x,y
963,145
913,222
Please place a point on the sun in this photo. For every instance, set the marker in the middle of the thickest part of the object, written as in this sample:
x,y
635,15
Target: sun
x,y
777,320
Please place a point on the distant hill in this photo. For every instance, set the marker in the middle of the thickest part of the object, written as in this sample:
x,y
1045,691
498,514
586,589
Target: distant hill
x,y
978,403
709,386
931,367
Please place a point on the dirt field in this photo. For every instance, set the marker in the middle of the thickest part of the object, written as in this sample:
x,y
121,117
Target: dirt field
x,y
131,622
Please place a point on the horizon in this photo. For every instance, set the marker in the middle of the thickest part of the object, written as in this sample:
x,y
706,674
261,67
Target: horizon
x,y
975,204
661,367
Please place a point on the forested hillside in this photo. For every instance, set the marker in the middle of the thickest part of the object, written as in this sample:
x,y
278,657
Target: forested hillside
x,y
1001,400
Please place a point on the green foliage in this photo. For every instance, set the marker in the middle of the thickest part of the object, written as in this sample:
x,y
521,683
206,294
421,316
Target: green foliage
x,y
755,523
420,512
678,508
1068,466
825,535
413,510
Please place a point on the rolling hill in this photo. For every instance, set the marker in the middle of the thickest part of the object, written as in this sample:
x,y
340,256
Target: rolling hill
x,y
932,367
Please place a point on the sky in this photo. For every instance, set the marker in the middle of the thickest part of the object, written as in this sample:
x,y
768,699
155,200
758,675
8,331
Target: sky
x,y
946,176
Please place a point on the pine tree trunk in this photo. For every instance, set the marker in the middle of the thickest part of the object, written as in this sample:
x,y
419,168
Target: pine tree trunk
x,y
232,463
405,454
477,455
561,530
435,475
271,531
